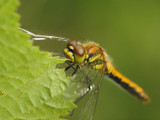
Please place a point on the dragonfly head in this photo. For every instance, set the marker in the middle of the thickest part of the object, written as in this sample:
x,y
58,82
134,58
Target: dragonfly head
x,y
75,52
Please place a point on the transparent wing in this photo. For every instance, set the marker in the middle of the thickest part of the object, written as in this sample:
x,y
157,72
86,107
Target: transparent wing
x,y
87,103
85,107
81,81
52,44
43,37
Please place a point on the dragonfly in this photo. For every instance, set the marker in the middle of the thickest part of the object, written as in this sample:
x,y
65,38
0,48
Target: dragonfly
x,y
90,64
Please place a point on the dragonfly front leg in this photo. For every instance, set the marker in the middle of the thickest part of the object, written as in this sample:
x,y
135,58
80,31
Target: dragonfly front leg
x,y
77,67
71,66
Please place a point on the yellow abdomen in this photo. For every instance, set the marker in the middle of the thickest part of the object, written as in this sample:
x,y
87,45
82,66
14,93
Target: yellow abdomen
x,y
125,83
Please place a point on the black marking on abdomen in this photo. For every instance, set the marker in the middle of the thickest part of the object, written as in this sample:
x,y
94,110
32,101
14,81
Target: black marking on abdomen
x,y
126,86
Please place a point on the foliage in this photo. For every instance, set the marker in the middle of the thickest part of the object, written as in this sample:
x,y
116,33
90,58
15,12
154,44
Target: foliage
x,y
30,85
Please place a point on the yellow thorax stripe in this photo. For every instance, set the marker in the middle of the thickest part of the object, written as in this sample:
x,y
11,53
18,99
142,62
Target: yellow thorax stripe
x,y
94,58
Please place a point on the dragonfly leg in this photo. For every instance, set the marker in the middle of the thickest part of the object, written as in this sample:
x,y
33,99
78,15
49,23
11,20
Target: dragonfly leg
x,y
77,67
70,66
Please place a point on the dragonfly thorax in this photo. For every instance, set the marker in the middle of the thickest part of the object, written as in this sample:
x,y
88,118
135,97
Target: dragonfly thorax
x,y
75,52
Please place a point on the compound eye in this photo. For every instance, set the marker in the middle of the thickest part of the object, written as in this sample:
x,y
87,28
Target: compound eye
x,y
79,50
72,43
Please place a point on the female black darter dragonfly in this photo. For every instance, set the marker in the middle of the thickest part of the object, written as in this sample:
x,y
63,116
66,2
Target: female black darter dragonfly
x,y
88,60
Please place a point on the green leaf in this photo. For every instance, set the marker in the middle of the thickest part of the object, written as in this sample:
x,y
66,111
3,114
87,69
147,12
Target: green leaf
x,y
30,85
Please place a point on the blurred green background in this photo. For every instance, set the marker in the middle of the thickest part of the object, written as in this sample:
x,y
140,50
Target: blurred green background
x,y
128,30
